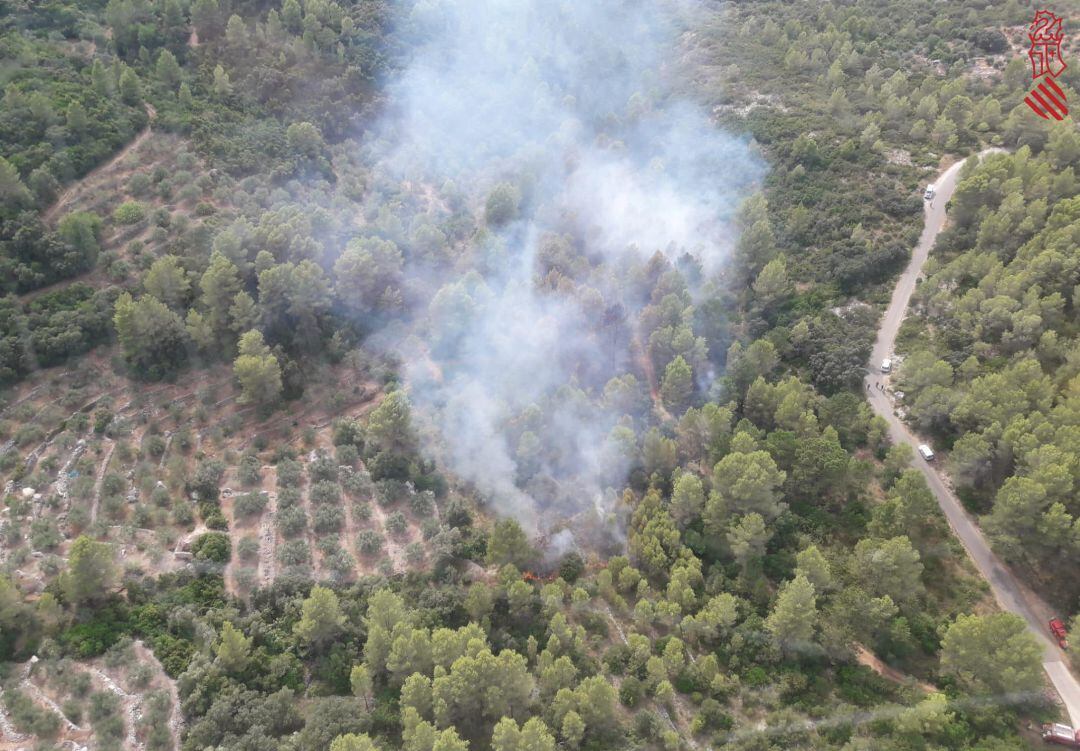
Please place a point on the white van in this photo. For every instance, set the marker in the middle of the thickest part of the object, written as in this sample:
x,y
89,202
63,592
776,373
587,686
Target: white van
x,y
886,365
925,452
929,194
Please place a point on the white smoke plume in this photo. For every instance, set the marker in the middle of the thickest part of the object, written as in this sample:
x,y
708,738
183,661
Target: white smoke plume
x,y
572,104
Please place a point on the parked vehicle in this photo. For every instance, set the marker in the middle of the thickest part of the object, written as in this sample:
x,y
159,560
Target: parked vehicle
x,y
886,365
1057,628
1062,735
930,192
925,452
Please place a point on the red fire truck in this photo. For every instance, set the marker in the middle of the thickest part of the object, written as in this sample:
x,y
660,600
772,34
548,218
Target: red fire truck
x,y
1062,735
1057,628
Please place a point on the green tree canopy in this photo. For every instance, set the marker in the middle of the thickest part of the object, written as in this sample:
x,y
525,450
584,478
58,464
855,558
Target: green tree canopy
x,y
233,649
677,385
321,618
992,654
257,370
91,571
153,338
794,614
509,544
168,281
744,482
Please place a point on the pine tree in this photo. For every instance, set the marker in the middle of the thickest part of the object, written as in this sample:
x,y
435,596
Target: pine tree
x,y
233,649
77,119
91,572
747,537
81,231
235,31
257,371
532,736
43,185
168,281
291,16
152,336
687,499
390,425
449,740
812,564
199,330
677,384
220,283
243,313
993,654
206,16
743,482
168,69
100,78
508,544
184,97
173,24
794,614
773,285
12,189
222,84
321,618
130,87
385,610
274,27
360,682
353,742
573,729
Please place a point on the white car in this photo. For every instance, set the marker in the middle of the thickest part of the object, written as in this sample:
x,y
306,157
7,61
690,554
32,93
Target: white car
x,y
925,452
929,194
886,365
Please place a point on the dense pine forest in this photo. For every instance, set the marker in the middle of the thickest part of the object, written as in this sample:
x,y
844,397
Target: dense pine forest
x,y
433,375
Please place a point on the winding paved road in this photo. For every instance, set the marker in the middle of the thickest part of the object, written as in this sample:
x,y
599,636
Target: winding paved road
x,y
1010,593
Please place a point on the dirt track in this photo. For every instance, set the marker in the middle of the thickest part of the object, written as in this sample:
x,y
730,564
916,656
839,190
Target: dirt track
x,y
872,661
91,179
